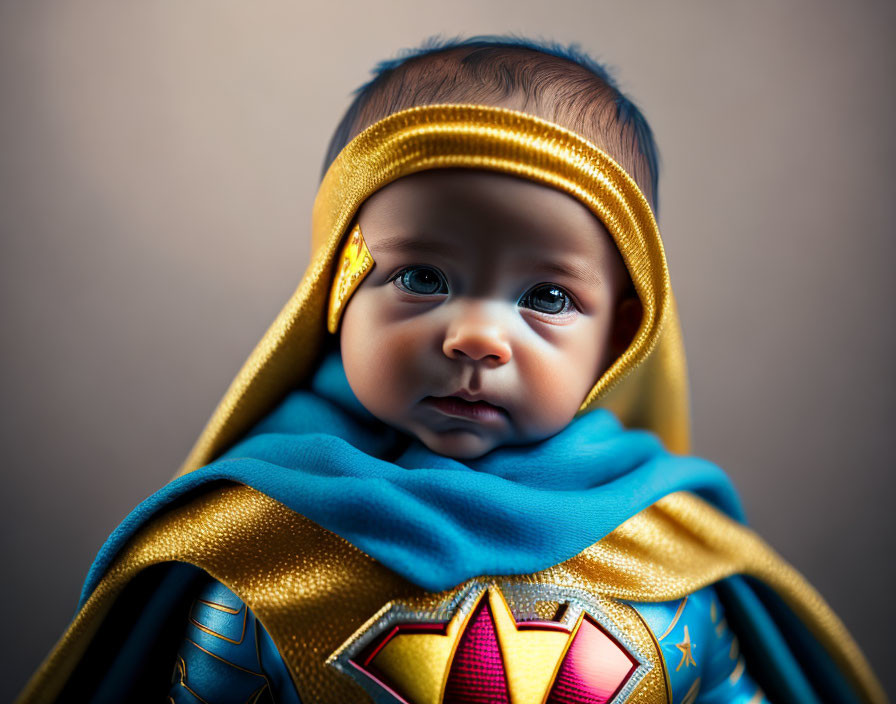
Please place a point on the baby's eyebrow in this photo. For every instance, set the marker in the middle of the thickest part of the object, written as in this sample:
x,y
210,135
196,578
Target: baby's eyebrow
x,y
413,246
577,270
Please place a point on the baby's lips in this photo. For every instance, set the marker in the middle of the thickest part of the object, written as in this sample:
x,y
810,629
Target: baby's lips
x,y
458,407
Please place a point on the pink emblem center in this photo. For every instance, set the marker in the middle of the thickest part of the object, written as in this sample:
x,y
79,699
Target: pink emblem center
x,y
595,668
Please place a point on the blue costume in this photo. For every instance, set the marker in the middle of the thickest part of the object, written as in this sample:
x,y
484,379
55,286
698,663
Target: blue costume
x,y
594,566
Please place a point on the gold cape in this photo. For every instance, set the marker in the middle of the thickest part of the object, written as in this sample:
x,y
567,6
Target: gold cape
x,y
248,541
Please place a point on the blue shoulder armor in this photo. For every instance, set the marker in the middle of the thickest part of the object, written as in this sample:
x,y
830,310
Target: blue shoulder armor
x,y
700,652
227,655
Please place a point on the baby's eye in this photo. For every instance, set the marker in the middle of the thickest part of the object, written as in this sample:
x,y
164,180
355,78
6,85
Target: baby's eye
x,y
547,298
422,280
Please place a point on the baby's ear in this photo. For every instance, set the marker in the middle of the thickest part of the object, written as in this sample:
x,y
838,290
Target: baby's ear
x,y
626,321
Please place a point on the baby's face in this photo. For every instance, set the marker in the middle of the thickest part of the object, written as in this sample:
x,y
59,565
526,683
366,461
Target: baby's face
x,y
492,309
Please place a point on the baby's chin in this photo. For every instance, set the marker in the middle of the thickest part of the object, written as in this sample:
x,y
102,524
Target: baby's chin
x,y
458,444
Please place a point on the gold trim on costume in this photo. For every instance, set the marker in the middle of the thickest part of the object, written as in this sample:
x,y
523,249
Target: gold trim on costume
x,y
206,629
720,627
220,607
738,672
691,696
675,618
661,665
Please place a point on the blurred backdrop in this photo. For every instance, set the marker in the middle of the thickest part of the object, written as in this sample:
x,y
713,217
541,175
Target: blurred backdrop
x,y
159,161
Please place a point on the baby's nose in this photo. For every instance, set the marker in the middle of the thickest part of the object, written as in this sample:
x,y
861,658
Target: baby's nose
x,y
477,336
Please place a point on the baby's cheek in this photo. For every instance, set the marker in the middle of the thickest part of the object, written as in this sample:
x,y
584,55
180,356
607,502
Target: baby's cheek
x,y
557,380
359,353
554,405
380,361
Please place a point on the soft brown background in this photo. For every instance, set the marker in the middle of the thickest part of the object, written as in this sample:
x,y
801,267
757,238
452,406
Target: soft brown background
x,y
158,165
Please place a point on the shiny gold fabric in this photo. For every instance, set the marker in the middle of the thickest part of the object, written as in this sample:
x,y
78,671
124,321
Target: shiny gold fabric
x,y
646,386
311,600
354,263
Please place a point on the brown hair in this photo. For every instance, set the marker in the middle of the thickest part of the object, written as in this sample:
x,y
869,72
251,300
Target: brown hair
x,y
558,84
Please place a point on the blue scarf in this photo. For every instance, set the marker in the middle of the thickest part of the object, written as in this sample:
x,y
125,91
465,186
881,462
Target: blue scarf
x,y
434,520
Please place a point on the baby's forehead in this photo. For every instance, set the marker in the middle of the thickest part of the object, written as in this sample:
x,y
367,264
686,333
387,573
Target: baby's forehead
x,y
484,218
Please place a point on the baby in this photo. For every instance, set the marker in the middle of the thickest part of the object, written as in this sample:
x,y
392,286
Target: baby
x,y
437,502
494,305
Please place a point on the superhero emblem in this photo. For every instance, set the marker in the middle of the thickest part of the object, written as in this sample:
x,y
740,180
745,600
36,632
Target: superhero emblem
x,y
478,649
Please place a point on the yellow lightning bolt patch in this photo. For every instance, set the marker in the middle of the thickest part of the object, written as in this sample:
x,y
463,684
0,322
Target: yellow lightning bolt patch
x,y
353,264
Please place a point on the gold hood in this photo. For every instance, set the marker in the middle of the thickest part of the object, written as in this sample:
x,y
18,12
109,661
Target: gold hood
x,y
646,386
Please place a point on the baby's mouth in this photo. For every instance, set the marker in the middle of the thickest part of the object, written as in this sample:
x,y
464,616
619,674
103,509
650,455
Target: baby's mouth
x,y
457,407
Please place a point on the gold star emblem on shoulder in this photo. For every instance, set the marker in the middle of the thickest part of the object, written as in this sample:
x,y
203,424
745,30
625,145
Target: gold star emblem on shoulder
x,y
686,648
